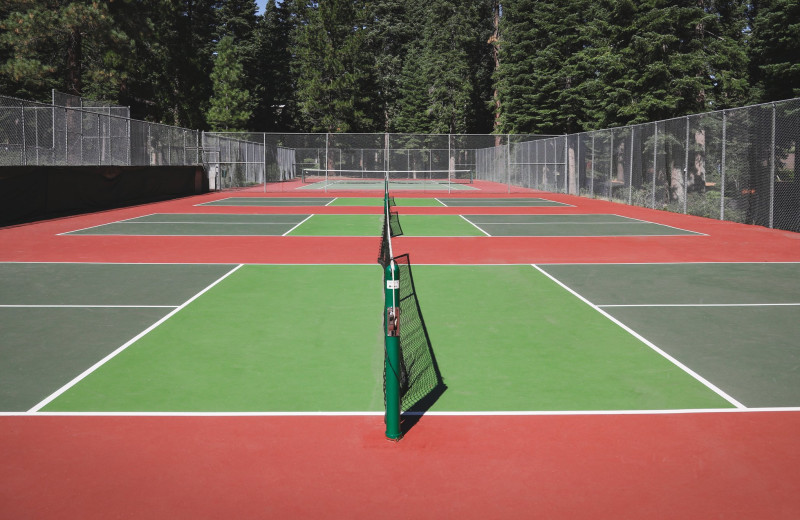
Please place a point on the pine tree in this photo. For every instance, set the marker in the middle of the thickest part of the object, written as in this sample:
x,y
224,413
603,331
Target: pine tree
x,y
237,20
176,86
276,107
73,46
412,103
231,105
673,59
391,33
546,74
775,49
446,79
334,68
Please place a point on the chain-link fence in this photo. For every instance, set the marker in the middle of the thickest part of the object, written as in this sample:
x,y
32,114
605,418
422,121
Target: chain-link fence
x,y
738,165
88,134
239,160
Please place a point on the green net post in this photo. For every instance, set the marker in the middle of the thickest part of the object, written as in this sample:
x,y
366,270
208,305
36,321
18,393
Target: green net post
x,y
392,360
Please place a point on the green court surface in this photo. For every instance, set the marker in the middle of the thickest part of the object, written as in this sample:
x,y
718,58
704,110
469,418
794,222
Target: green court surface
x,y
270,201
378,201
569,226
375,201
59,319
309,338
369,225
734,323
508,338
500,202
320,201
266,338
340,225
181,224
438,226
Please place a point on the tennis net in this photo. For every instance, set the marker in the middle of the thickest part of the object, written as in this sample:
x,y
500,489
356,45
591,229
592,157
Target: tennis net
x,y
415,373
421,381
338,176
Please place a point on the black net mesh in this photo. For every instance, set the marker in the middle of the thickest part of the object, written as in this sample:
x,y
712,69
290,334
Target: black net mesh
x,y
419,376
420,379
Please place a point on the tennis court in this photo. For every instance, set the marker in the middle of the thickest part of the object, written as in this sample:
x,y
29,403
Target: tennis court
x,y
344,225
377,202
377,184
605,353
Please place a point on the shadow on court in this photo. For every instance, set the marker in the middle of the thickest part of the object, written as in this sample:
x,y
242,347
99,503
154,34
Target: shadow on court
x,y
421,380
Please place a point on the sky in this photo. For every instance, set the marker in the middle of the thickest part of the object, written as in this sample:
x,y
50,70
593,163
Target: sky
x,y
261,4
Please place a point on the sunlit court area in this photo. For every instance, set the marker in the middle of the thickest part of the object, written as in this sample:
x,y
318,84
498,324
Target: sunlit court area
x,y
326,310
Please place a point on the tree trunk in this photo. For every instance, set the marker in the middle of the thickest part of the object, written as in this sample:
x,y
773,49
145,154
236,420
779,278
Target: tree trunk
x,y
494,41
74,59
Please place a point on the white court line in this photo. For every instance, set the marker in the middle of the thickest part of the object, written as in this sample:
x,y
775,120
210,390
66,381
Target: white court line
x,y
297,225
206,223
510,413
700,305
641,338
475,225
710,262
331,201
564,223
105,224
211,202
89,306
103,361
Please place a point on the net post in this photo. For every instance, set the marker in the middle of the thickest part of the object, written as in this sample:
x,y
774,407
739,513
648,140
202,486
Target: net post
x,y
392,358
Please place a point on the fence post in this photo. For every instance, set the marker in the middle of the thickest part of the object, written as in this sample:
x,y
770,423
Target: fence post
x,y
686,170
99,142
264,164
508,162
630,169
24,152
80,113
655,163
36,134
591,179
53,137
578,164
772,171
566,163
327,136
611,167
66,138
450,165
722,166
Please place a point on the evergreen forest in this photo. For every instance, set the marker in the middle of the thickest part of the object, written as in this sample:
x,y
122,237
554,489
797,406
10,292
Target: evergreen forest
x,y
427,66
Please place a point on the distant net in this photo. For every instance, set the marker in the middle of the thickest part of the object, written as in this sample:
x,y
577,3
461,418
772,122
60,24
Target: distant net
x,y
336,176
385,255
390,228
